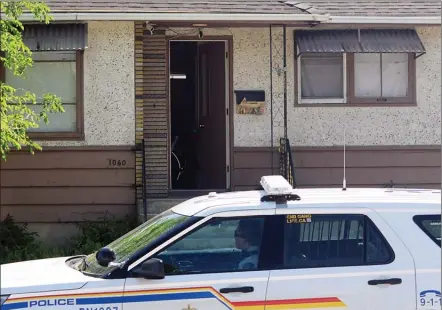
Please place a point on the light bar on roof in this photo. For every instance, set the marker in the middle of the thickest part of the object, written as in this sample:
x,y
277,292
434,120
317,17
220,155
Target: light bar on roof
x,y
276,185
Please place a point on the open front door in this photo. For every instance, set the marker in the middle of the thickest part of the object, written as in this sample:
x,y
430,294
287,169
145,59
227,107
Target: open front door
x,y
212,117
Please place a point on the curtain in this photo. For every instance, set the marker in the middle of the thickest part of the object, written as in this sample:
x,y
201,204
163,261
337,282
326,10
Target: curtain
x,y
370,72
50,76
395,75
322,76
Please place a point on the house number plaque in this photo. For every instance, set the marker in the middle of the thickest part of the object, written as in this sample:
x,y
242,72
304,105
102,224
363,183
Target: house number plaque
x,y
116,162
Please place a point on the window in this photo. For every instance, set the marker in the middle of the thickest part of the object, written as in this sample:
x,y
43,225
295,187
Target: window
x,y
356,78
59,73
221,245
430,224
333,241
357,66
381,78
322,78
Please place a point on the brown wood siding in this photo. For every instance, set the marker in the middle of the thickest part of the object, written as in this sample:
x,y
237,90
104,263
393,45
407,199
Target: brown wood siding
x,y
152,99
366,166
68,184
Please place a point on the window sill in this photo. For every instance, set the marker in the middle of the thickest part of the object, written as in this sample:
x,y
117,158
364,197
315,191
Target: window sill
x,y
56,136
352,105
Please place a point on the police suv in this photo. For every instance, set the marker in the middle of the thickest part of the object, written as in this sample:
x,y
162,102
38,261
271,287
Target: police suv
x,y
276,248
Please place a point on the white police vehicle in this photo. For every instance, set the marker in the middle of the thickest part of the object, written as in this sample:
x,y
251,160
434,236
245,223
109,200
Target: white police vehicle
x,y
279,248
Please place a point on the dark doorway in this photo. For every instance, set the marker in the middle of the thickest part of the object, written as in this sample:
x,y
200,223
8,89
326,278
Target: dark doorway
x,y
198,115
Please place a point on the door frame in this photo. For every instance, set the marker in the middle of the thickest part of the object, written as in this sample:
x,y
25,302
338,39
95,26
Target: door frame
x,y
228,46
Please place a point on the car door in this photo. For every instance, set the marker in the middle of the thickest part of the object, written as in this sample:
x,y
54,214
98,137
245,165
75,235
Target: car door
x,y
421,228
341,259
203,267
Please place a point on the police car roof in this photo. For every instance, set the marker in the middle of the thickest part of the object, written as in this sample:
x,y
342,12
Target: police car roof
x,y
311,197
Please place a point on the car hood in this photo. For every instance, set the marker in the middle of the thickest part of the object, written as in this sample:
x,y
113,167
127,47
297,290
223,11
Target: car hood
x,y
41,275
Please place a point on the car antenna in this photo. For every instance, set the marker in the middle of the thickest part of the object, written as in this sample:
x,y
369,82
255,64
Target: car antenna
x,y
344,181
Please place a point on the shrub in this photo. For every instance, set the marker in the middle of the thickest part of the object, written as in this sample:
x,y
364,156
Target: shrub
x,y
94,235
19,244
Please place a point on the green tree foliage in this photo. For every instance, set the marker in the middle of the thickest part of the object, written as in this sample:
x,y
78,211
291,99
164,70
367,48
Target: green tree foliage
x,y
17,115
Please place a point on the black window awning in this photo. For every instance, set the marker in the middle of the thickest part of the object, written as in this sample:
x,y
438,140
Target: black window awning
x,y
55,37
359,41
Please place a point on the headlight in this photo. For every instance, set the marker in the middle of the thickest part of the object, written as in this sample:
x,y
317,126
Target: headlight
x,y
3,298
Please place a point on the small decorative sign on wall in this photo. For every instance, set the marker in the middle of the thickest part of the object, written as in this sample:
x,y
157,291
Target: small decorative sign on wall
x,y
250,102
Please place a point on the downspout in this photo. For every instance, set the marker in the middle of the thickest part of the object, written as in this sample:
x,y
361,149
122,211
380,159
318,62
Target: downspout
x,y
271,96
143,181
284,61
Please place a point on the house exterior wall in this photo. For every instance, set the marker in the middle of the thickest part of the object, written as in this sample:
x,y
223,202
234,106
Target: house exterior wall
x,y
78,180
384,144
74,181
373,166
109,86
323,126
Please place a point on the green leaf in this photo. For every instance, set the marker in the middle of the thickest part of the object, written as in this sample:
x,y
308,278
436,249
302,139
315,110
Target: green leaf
x,y
17,116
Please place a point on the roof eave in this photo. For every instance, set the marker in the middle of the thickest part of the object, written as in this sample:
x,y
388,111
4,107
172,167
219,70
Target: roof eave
x,y
243,18
393,20
281,18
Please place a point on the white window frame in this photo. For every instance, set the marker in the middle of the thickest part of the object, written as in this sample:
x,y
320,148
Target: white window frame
x,y
324,100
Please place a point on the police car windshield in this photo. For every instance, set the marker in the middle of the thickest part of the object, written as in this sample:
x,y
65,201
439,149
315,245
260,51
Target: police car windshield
x,y
136,239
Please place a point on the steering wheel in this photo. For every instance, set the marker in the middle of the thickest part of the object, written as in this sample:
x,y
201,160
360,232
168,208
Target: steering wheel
x,y
172,265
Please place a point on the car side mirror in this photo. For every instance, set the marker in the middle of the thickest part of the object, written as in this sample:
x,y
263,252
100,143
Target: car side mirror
x,y
153,268
105,257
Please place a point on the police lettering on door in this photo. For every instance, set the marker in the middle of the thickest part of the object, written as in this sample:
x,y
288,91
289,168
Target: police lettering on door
x,y
67,302
52,302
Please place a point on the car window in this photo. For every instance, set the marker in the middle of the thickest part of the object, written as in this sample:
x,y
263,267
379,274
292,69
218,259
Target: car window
x,y
220,245
430,224
137,239
322,240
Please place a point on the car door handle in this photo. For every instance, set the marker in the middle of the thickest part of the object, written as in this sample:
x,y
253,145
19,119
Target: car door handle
x,y
242,289
392,281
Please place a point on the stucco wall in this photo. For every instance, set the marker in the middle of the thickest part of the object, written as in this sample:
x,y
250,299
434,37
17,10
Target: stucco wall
x,y
323,126
109,94
109,104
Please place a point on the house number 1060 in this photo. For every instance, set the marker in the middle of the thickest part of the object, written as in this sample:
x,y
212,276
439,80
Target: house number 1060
x,y
117,162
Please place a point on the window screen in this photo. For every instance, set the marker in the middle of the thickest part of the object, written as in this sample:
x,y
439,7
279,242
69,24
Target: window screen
x,y
333,240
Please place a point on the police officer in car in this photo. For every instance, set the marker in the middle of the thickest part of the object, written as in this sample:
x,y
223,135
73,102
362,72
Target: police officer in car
x,y
248,239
